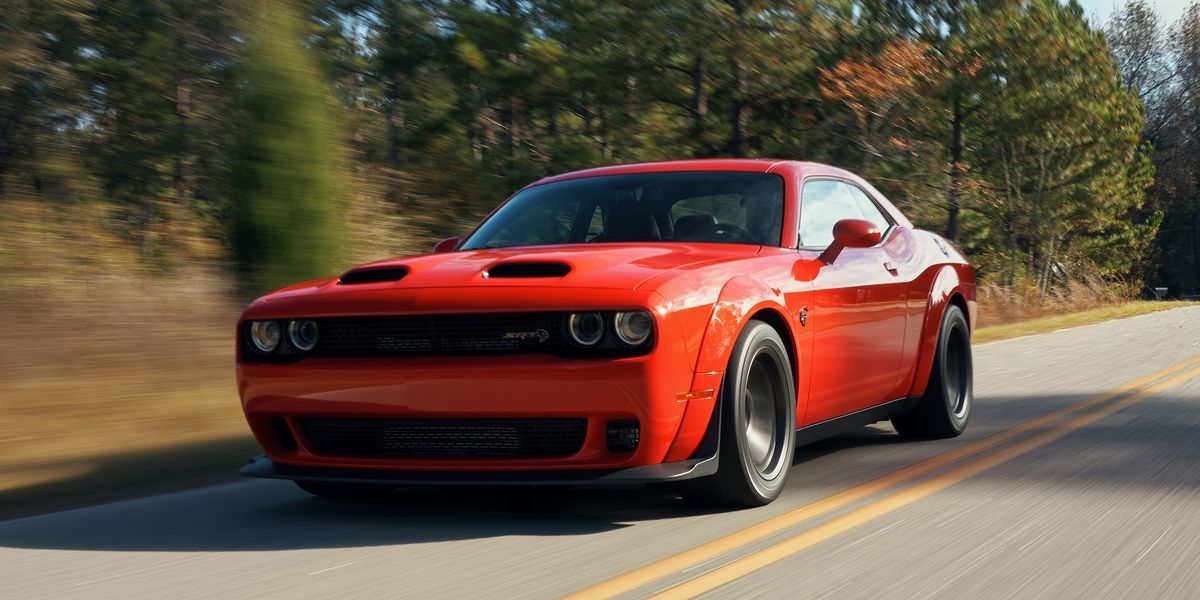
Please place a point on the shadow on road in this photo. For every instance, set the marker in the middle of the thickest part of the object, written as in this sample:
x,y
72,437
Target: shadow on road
x,y
1153,444
274,515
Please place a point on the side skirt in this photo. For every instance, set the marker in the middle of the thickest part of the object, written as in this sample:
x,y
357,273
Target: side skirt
x,y
837,425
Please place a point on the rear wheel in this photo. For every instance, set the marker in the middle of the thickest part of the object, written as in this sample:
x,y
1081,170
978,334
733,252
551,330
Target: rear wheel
x,y
343,491
758,424
944,409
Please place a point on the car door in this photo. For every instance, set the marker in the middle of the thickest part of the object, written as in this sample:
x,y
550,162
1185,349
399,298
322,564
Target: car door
x,y
860,303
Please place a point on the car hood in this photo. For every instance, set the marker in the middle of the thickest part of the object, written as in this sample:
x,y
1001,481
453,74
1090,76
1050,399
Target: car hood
x,y
603,266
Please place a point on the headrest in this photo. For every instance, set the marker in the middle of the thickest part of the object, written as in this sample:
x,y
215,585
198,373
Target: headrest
x,y
694,227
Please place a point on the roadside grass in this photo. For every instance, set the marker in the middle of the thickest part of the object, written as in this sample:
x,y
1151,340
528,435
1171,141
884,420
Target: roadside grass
x,y
123,387
131,391
995,333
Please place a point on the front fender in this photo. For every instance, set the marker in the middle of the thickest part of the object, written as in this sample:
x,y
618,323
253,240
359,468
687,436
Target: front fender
x,y
739,300
946,284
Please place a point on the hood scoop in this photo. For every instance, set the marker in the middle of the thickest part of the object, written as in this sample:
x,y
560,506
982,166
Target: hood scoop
x,y
373,275
527,269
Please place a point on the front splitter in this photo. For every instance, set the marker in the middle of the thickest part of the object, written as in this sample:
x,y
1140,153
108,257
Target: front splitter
x,y
263,466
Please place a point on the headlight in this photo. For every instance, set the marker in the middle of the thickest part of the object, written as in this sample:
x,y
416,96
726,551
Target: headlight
x,y
265,335
303,335
585,329
633,328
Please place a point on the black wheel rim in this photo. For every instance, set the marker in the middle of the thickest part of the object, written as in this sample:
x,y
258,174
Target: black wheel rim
x,y
957,373
763,410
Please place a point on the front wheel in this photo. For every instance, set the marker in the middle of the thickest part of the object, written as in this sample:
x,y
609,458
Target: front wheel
x,y
758,424
944,409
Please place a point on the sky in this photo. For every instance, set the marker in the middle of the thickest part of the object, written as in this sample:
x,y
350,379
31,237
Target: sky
x,y
1168,10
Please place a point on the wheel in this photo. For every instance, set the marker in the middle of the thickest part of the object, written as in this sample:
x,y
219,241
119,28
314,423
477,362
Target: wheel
x,y
944,409
758,424
343,491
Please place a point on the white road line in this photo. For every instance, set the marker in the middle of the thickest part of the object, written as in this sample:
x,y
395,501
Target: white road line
x,y
1152,545
345,564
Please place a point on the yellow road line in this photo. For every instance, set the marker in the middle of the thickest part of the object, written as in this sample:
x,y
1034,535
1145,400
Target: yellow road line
x,y
772,554
673,564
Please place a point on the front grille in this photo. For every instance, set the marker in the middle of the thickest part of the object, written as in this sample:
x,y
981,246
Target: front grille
x,y
446,438
434,335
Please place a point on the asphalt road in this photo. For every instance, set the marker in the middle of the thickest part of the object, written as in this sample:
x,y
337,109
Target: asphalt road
x,y
1034,501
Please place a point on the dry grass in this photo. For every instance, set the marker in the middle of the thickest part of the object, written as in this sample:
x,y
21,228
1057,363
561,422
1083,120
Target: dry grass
x,y
993,333
111,369
1024,302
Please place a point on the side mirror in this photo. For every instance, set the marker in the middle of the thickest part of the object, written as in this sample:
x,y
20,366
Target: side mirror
x,y
851,233
446,245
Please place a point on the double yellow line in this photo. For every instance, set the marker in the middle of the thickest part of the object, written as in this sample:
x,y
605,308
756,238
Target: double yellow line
x,y
1128,394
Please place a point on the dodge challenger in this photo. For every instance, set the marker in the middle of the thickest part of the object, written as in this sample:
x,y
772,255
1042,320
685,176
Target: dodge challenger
x,y
686,322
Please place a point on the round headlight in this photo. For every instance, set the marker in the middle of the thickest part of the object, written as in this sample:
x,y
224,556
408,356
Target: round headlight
x,y
585,329
303,335
633,328
265,335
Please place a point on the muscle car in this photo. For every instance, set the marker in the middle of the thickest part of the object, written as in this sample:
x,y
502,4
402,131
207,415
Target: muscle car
x,y
685,322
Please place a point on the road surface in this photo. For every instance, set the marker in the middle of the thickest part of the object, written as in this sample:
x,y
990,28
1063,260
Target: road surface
x,y
1079,477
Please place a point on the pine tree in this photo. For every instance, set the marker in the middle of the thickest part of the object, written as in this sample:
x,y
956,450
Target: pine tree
x,y
286,202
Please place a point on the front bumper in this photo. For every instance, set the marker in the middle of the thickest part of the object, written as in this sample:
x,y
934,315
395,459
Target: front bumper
x,y
656,389
263,466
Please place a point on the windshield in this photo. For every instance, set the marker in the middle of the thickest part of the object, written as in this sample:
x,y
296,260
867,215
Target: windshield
x,y
708,206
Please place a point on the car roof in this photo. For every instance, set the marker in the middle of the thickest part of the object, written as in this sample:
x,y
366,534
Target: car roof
x,y
752,165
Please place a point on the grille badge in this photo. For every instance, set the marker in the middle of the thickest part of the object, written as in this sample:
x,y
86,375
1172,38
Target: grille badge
x,y
541,335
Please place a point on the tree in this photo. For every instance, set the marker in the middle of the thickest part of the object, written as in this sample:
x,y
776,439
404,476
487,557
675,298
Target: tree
x,y
41,91
1062,166
286,193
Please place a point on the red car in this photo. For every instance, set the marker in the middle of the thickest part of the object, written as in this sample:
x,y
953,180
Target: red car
x,y
687,322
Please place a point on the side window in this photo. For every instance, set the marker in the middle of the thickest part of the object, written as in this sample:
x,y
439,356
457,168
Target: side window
x,y
869,210
825,202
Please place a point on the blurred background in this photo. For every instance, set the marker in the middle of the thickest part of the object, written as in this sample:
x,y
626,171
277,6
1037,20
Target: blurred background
x,y
164,161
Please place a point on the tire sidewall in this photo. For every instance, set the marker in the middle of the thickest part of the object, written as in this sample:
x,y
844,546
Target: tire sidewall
x,y
757,338
954,323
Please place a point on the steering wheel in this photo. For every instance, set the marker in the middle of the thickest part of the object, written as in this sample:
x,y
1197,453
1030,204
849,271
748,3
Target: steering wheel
x,y
735,233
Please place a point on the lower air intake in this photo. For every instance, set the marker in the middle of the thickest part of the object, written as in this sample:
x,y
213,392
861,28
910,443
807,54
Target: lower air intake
x,y
283,435
446,438
623,435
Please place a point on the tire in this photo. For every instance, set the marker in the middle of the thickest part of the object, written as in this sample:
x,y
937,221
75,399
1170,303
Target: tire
x,y
758,424
946,406
343,491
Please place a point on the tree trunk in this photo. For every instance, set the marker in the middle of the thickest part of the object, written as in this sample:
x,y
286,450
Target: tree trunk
x,y
181,176
605,147
393,100
737,138
396,123
699,105
3,156
956,172
738,115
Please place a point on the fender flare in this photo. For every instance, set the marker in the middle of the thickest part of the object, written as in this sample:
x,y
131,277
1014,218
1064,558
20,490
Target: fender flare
x,y
740,298
946,284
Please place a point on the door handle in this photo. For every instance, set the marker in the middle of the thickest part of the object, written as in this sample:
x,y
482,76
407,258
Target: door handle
x,y
891,268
